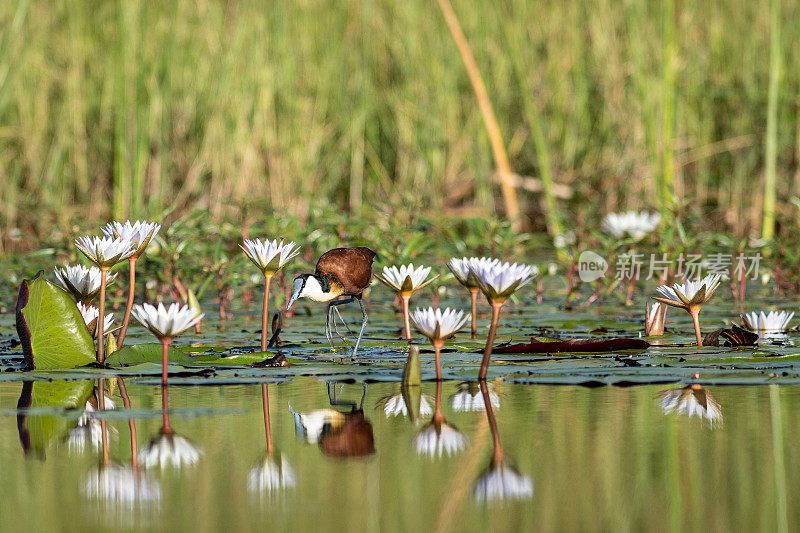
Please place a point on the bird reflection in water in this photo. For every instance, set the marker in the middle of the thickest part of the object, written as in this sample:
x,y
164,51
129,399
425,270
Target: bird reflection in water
x,y
692,400
500,480
168,449
439,437
339,434
272,472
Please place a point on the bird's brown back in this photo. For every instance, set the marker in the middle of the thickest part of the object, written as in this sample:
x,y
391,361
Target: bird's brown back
x,y
351,267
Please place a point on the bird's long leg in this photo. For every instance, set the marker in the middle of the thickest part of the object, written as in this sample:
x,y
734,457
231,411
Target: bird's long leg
x,y
333,306
350,331
363,395
363,325
331,392
328,324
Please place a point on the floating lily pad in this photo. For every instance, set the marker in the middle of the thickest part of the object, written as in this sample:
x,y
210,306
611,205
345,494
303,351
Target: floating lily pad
x,y
551,345
152,353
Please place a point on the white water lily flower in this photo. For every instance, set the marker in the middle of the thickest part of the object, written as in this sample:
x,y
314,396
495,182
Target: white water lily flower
x,y
766,323
501,481
396,406
636,225
689,294
499,281
169,449
438,438
166,322
462,271
469,398
405,278
271,474
90,315
436,324
270,256
691,401
82,283
121,485
310,425
140,233
105,252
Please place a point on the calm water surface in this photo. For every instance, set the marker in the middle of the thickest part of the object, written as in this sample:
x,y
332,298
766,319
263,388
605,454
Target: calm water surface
x,y
335,450
605,458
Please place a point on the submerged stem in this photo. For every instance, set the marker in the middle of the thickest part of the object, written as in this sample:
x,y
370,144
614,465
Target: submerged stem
x,y
165,427
497,453
267,426
129,304
438,416
126,401
487,351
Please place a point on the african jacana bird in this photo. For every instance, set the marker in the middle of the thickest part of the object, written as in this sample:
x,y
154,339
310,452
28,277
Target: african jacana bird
x,y
341,272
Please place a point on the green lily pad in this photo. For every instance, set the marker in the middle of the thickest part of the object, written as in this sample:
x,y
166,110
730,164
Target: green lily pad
x,y
151,353
146,353
37,431
51,328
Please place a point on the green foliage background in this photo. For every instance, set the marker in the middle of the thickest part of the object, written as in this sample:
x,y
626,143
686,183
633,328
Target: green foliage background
x,y
252,109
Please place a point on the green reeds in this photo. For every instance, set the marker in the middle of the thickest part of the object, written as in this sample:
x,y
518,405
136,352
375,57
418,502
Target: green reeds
x,y
669,59
143,108
770,145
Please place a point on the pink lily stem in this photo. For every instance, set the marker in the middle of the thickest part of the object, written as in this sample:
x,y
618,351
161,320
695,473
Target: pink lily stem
x,y
101,356
437,348
696,319
129,303
406,298
267,426
265,312
474,295
487,351
497,455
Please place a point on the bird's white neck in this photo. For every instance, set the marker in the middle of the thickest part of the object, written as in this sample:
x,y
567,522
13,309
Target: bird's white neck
x,y
313,291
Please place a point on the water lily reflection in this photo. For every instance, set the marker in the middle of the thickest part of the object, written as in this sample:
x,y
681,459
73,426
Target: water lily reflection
x,y
500,480
439,437
690,401
168,449
88,434
273,472
469,397
398,405
121,486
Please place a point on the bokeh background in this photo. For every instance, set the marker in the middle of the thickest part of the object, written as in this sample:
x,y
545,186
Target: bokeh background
x,y
249,109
